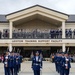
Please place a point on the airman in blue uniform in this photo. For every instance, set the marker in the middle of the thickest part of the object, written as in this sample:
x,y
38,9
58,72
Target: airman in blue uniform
x,y
36,64
67,64
18,62
6,64
62,64
14,64
11,64
58,62
55,60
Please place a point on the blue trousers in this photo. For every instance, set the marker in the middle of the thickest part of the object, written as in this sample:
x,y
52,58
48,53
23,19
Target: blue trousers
x,y
66,71
15,70
56,67
36,72
7,70
18,67
62,71
12,70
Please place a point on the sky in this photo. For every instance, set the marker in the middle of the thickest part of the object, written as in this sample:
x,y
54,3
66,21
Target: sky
x,y
9,6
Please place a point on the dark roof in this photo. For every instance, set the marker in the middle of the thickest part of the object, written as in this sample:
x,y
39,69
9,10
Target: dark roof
x,y
3,19
35,6
71,19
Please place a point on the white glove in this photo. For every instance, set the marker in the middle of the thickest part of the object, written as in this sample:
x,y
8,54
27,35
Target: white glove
x,y
41,69
66,65
6,57
5,63
67,59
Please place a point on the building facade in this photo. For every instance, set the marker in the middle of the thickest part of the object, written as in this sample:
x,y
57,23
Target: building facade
x,y
37,27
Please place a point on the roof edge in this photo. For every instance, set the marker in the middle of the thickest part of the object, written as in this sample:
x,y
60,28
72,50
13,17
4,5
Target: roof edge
x,y
70,21
35,6
4,21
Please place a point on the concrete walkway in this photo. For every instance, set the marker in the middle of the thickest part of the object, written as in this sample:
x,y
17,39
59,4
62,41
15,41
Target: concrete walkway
x,y
48,69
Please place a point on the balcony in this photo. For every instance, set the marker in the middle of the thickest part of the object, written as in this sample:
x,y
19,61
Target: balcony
x,y
37,34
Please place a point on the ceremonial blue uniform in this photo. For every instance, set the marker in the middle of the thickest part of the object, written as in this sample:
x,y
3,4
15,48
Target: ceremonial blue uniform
x,y
62,66
67,66
18,62
14,65
58,63
11,64
36,64
6,65
55,60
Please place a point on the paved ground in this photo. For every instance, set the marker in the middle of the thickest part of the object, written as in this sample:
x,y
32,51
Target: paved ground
x,y
48,69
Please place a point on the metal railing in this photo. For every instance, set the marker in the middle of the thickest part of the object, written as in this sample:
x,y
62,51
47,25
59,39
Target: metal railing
x,y
38,35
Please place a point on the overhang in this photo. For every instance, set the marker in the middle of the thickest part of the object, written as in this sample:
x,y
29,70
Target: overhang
x,y
37,10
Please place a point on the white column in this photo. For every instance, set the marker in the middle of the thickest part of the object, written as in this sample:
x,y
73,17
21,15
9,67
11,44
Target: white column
x,y
10,28
63,47
10,47
63,29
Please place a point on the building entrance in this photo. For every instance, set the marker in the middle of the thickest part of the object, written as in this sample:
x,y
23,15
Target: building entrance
x,y
46,51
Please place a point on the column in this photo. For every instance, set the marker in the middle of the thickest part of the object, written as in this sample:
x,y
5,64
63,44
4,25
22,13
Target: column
x,y
63,29
63,47
10,28
10,47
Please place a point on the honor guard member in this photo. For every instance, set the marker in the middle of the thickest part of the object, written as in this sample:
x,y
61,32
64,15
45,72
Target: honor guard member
x,y
55,60
67,64
18,62
14,64
11,63
6,64
36,64
58,62
62,64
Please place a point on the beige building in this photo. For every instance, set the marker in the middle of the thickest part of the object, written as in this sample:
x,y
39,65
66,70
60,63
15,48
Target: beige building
x,y
43,19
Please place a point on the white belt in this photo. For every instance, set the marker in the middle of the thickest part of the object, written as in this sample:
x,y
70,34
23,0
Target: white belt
x,y
36,64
